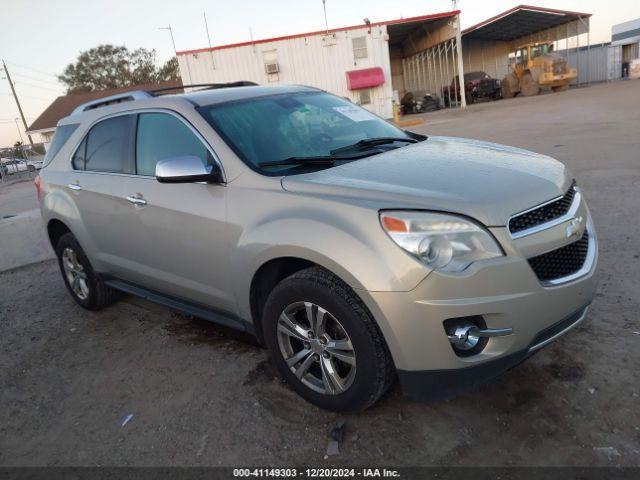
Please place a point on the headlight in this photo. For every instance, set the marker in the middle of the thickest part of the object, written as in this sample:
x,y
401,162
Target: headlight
x,y
442,242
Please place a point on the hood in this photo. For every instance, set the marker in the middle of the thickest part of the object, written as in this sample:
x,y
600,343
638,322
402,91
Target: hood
x,y
486,181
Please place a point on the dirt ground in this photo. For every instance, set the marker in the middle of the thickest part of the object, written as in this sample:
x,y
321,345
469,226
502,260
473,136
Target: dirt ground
x,y
201,395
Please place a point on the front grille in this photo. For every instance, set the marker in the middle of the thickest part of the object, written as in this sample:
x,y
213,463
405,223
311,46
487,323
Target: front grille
x,y
543,214
561,262
486,88
559,68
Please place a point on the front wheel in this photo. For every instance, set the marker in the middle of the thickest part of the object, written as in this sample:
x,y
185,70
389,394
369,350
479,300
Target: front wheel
x,y
528,86
325,343
507,86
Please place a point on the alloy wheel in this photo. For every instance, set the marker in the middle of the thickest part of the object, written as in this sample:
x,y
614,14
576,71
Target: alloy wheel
x,y
316,348
76,276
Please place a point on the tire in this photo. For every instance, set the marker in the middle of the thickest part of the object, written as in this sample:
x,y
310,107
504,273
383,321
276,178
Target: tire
x,y
528,86
369,372
31,168
561,88
506,90
89,292
470,99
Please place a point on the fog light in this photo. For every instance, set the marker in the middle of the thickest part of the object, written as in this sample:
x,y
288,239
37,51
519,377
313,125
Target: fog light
x,y
465,337
469,335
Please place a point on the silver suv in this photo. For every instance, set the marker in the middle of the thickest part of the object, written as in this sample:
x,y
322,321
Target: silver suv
x,y
357,252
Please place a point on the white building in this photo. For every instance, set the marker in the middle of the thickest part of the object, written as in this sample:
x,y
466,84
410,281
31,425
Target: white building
x,y
368,63
627,36
362,62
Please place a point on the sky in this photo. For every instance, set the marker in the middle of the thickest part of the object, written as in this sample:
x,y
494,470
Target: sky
x,y
40,37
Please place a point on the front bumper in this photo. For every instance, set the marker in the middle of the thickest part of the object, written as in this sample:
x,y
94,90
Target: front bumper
x,y
486,90
432,385
504,291
549,79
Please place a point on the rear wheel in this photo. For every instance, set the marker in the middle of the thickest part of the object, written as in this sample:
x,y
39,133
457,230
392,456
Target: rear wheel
x,y
561,88
31,168
325,343
84,285
528,86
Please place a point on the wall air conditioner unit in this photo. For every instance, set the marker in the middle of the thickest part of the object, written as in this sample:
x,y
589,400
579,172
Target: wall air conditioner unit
x,y
271,68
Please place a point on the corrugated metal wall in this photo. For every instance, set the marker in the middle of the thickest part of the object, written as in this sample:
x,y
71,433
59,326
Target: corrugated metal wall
x,y
597,63
317,60
488,56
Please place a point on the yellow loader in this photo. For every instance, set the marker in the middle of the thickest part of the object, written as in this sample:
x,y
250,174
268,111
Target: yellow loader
x,y
536,67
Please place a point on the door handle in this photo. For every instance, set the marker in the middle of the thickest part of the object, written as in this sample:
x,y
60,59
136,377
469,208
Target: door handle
x,y
74,186
136,200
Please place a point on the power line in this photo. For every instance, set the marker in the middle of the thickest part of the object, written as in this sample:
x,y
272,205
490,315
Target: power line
x,y
36,79
21,83
11,119
6,122
28,96
31,68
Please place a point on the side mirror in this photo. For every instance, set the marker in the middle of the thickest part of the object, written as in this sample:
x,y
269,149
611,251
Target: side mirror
x,y
186,169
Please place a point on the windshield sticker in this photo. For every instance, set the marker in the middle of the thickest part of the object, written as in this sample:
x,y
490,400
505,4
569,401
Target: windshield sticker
x,y
354,113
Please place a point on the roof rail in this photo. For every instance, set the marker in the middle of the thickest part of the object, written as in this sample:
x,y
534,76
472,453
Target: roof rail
x,y
118,98
205,86
142,94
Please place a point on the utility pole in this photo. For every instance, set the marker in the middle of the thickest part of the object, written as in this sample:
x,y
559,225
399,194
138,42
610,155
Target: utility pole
x,y
463,99
173,42
326,24
15,96
19,131
206,27
175,51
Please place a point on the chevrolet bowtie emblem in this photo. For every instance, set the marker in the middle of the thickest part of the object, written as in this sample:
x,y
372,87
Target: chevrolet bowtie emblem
x,y
573,229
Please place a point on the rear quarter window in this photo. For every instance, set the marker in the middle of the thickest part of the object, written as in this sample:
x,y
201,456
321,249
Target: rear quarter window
x,y
60,137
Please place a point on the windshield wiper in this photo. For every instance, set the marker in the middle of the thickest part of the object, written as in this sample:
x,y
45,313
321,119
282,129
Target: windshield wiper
x,y
317,160
372,142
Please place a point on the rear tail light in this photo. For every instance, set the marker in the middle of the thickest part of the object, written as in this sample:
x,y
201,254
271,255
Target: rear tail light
x,y
36,183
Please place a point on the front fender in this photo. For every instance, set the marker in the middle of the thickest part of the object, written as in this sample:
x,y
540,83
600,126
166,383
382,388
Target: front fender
x,y
352,245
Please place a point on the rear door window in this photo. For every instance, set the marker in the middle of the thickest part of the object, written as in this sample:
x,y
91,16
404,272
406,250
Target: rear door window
x,y
161,136
109,145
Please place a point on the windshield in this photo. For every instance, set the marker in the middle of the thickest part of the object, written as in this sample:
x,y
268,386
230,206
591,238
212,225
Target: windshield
x,y
306,124
539,50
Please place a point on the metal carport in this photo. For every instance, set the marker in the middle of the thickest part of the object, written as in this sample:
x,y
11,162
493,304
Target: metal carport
x,y
488,44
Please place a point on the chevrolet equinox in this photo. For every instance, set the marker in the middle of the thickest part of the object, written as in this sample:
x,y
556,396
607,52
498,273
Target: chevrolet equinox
x,y
357,252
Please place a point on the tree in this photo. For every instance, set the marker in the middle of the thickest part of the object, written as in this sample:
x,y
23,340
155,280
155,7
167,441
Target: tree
x,y
18,150
109,66
170,70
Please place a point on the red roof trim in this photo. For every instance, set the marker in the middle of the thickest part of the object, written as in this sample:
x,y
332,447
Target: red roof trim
x,y
433,16
523,7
